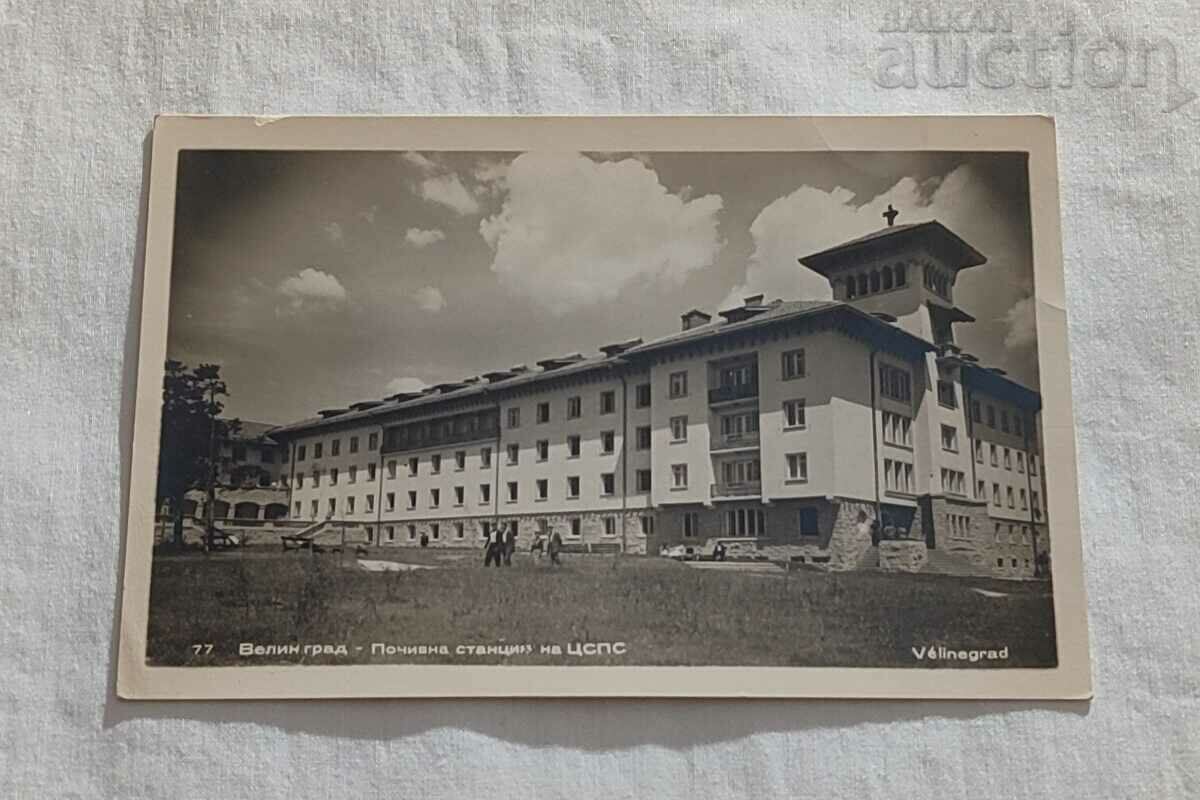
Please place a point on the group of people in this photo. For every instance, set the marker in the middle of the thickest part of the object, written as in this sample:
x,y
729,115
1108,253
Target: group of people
x,y
501,543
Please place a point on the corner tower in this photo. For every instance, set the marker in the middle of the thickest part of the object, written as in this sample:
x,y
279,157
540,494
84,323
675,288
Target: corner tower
x,y
904,271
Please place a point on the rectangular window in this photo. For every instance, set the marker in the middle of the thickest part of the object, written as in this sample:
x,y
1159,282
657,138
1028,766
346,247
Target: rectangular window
x,y
390,501
412,500
460,460
572,487
809,524
300,452
643,480
643,395
991,416
333,476
981,490
574,407
353,444
1024,500
679,384
459,530
514,418
485,493
996,494
608,402
350,504
572,447
512,491
332,506
485,457
608,484
610,526
945,392
647,525
370,472
299,480
543,489
1037,505
1004,421
435,498
1033,464
435,464
391,533
793,414
797,466
679,476
373,441
391,469
1017,424
1021,462
608,441
543,413
691,524
514,454
950,438
315,509
460,495
317,447
953,481
976,412
643,437
679,429
413,464
1008,459
793,365
335,447
897,429
576,528
412,533
352,475
316,476
994,453
895,383
979,452
1009,495
297,514
543,450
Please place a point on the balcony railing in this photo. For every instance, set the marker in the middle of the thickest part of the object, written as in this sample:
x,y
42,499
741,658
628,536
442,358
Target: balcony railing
x,y
738,391
744,489
733,440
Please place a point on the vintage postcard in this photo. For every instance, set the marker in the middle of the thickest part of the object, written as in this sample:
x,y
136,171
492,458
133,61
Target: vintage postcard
x,y
594,407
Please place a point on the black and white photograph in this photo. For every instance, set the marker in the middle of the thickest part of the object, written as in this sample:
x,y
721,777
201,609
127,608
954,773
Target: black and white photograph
x,y
575,407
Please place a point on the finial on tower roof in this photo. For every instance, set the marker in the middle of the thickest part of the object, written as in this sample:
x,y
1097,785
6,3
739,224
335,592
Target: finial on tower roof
x,y
890,215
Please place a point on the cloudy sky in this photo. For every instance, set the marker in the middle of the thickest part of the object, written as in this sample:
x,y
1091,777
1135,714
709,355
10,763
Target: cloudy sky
x,y
319,279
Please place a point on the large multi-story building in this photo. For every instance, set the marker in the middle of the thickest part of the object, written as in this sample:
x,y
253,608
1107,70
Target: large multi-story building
x,y
807,430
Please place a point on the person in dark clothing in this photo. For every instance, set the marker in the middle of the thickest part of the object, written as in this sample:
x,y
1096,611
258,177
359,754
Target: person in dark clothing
x,y
510,544
494,547
555,547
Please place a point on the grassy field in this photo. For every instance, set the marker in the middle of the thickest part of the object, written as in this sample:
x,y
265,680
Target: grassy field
x,y
667,613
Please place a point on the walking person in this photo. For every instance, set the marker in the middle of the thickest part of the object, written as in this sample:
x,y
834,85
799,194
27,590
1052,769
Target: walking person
x,y
494,546
555,547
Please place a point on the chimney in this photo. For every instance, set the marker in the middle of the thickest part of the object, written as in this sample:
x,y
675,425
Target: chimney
x,y
753,300
694,319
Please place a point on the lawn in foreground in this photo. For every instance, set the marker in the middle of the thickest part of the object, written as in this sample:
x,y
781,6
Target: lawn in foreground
x,y
667,613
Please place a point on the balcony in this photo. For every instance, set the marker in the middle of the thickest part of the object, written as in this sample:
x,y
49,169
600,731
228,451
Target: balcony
x,y
737,391
743,489
734,441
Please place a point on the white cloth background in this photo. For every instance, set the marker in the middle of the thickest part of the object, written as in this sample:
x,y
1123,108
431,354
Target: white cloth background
x,y
80,83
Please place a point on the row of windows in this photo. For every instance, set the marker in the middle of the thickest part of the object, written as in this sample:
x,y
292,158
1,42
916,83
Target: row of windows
x,y
1026,500
607,405
954,482
1008,458
898,476
1008,423
744,522
895,383
335,447
936,281
877,280
387,533
792,365
1012,536
897,429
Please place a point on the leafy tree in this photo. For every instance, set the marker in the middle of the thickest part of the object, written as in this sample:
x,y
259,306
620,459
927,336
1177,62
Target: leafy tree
x,y
189,444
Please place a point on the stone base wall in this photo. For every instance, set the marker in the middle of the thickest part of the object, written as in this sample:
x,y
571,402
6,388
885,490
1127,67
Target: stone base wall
x,y
591,531
969,541
902,555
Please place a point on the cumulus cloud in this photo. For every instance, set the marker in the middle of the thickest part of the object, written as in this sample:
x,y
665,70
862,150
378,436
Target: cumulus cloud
x,y
423,238
405,384
312,289
429,298
490,177
333,231
574,232
1022,330
448,190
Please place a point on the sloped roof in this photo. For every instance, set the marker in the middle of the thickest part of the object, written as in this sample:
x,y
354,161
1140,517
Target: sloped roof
x,y
958,254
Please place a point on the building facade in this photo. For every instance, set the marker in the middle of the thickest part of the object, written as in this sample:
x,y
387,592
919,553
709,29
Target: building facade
x,y
848,433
